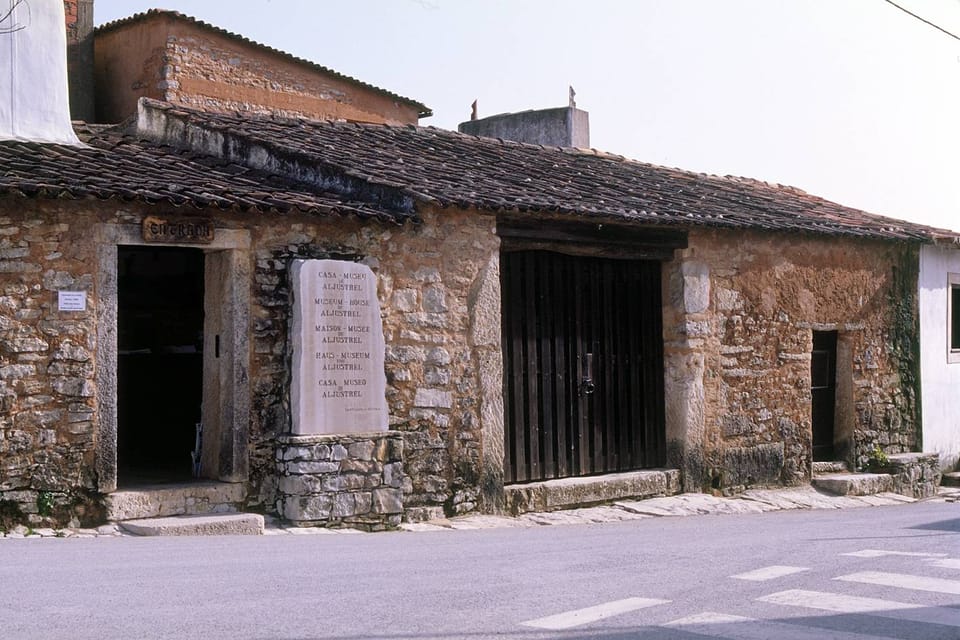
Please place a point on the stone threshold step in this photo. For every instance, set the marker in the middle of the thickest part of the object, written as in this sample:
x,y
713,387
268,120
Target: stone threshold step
x,y
854,484
951,479
194,498
833,466
229,524
567,493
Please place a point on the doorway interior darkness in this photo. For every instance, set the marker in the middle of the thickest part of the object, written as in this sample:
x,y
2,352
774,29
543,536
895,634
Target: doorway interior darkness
x,y
823,393
159,362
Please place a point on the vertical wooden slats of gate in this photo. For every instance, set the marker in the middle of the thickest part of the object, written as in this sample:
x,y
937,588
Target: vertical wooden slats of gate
x,y
556,310
562,398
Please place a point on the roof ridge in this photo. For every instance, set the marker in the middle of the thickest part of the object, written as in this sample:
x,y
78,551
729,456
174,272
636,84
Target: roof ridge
x,y
423,110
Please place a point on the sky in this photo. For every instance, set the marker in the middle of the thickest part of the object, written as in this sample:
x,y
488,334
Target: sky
x,y
851,100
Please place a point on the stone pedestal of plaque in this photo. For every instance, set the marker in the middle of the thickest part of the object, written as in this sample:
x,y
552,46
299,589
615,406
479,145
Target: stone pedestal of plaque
x,y
338,383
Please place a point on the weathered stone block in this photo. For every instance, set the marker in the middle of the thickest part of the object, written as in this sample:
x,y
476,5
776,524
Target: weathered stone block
x,y
360,466
757,465
361,450
393,475
311,467
387,501
433,398
307,508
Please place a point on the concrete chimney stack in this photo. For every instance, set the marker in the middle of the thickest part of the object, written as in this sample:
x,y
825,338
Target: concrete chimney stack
x,y
561,127
34,98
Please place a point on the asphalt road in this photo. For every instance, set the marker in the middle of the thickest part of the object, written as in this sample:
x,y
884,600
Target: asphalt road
x,y
785,575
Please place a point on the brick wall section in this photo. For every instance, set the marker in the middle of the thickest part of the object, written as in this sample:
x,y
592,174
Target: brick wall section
x,y
738,328
47,394
180,62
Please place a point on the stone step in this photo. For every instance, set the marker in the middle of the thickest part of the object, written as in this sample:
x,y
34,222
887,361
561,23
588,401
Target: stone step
x,y
951,479
567,493
227,524
195,498
854,484
833,466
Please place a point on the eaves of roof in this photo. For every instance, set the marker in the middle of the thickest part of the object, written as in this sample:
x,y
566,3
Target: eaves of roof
x,y
116,166
448,169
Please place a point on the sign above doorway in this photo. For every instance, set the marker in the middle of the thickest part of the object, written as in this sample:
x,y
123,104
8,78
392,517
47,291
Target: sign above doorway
x,y
180,230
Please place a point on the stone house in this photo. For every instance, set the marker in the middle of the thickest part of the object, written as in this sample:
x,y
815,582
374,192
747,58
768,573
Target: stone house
x,y
559,325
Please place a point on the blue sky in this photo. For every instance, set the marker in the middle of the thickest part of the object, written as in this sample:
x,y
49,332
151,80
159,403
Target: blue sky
x,y
852,100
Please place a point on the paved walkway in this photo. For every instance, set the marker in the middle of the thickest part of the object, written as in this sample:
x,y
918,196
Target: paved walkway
x,y
686,504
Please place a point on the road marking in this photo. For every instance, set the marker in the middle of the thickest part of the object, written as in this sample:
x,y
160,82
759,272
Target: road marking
x,y
721,625
769,573
570,619
904,581
948,563
707,617
838,603
878,553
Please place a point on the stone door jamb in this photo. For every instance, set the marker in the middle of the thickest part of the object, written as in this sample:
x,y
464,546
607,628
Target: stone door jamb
x,y
234,398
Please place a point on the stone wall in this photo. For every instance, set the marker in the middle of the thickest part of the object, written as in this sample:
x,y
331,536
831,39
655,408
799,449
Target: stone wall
x,y
47,393
916,475
178,61
739,314
438,289
354,480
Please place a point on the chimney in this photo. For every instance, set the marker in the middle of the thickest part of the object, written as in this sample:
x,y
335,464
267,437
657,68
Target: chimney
x,y
560,127
34,99
79,22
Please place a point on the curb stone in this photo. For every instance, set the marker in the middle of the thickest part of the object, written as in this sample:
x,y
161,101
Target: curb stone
x,y
685,504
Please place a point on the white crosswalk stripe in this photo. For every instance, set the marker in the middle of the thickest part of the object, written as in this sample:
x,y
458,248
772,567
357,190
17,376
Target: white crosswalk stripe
x,y
721,625
904,581
769,573
946,563
570,619
879,553
839,603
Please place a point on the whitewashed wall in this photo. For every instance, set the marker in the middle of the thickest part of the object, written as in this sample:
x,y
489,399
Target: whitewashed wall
x,y
939,379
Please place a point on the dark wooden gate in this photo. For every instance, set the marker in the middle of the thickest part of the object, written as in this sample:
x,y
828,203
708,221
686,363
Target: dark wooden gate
x,y
583,365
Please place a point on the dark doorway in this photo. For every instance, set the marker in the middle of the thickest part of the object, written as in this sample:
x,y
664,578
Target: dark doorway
x,y
583,365
159,362
823,392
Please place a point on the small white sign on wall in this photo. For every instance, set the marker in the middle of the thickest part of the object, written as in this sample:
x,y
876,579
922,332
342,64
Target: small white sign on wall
x,y
72,300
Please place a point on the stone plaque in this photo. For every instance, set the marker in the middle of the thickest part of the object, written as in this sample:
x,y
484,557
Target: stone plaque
x,y
182,230
338,383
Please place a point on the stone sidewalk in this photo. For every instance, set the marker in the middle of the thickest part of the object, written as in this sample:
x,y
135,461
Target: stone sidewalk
x,y
686,504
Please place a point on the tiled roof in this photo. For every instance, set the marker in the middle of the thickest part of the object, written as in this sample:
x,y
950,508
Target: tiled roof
x,y
116,166
452,169
423,111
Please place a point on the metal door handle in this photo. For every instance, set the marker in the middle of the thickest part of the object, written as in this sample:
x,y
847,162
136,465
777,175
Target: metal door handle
x,y
586,383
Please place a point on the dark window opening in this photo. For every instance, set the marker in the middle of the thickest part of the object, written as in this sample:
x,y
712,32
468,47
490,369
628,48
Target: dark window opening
x,y
954,317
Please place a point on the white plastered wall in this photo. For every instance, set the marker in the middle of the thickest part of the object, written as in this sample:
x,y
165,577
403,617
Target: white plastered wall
x,y
939,378
34,98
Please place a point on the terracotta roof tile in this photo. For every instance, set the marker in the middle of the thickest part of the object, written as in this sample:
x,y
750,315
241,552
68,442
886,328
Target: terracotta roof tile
x,y
113,165
452,169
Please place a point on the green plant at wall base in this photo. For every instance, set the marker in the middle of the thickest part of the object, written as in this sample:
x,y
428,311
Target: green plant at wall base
x,y
45,503
878,458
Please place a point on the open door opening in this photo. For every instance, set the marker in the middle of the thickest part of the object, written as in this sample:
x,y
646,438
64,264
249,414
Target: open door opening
x,y
160,321
823,392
